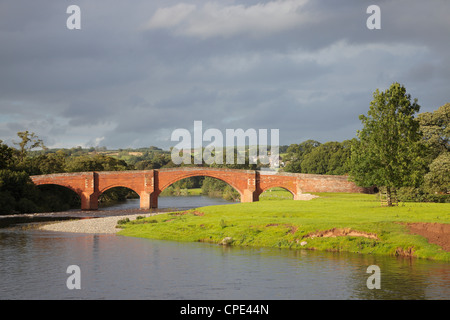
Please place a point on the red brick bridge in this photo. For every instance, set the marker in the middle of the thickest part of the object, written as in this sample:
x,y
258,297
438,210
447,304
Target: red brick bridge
x,y
149,184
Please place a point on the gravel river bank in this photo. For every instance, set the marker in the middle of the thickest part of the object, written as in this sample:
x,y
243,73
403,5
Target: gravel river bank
x,y
102,225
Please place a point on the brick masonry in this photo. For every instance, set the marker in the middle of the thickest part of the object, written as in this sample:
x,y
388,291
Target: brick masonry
x,y
149,184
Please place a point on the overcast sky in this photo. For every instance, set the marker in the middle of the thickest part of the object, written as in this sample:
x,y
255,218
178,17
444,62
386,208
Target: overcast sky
x,y
137,70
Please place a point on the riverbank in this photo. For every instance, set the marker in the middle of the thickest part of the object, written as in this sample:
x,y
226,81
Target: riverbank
x,y
105,225
331,222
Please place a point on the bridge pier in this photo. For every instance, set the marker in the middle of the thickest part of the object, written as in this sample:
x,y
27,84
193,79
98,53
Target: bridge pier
x,y
249,193
249,196
149,200
89,201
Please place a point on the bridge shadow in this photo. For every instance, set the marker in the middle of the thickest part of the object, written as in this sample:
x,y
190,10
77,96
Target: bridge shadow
x,y
55,198
115,196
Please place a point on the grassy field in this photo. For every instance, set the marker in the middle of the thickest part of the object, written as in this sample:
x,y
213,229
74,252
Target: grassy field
x,y
277,221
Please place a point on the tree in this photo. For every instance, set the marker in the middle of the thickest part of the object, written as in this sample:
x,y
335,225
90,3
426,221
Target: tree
x,y
339,160
316,161
17,191
29,142
435,127
6,156
388,152
437,180
328,158
97,162
296,154
51,163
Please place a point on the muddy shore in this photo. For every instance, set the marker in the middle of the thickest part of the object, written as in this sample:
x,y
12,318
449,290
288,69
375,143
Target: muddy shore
x,y
437,233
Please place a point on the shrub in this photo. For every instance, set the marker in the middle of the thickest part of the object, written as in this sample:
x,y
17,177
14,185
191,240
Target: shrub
x,y
26,206
411,194
123,221
7,203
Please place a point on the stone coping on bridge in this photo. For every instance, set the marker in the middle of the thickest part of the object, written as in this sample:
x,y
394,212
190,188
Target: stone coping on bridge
x,y
204,169
260,172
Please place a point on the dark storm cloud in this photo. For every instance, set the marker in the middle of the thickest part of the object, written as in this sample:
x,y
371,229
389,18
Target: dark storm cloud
x,y
135,72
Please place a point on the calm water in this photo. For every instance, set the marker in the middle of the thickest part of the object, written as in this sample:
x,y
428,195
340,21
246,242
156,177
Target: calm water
x,y
169,202
33,265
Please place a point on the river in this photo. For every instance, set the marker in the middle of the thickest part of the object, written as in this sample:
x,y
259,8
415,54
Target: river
x,y
33,265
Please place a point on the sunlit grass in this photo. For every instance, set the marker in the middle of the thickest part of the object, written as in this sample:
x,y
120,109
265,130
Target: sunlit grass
x,y
276,194
285,223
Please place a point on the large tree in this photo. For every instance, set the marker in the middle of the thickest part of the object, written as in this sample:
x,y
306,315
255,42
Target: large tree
x,y
388,152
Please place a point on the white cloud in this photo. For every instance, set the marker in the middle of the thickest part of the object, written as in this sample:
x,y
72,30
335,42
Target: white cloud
x,y
170,16
217,20
342,50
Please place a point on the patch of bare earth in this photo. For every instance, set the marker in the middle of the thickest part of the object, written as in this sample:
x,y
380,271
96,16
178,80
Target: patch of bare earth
x,y
195,213
340,232
437,233
306,196
291,229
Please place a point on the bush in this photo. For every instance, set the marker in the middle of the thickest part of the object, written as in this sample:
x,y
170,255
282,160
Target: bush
x,y
123,221
408,194
7,203
438,179
17,183
411,194
26,206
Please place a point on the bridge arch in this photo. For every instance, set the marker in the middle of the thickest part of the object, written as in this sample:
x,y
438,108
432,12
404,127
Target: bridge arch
x,y
197,174
287,188
119,192
55,183
118,185
266,193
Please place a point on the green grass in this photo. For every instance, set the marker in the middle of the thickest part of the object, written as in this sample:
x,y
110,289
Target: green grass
x,y
276,194
284,223
184,192
195,192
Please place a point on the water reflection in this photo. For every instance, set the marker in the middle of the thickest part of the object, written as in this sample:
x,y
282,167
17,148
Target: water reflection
x,y
172,202
33,266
